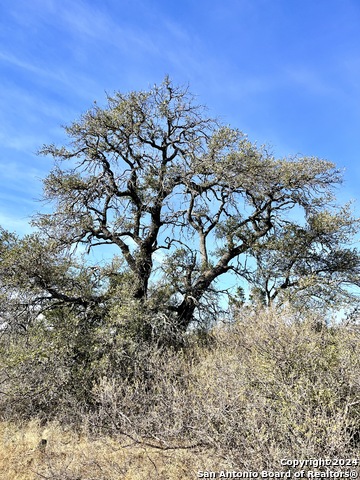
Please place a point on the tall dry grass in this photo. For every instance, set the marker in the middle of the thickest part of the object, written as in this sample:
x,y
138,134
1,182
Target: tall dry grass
x,y
72,456
269,386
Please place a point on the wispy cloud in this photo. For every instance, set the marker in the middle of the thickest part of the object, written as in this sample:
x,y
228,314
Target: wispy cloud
x,y
18,62
55,77
19,142
310,80
88,22
20,187
13,223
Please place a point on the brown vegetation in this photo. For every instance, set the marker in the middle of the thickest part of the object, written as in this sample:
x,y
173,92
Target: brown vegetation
x,y
270,386
70,456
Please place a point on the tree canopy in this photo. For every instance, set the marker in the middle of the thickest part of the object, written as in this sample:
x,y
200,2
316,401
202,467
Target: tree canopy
x,y
184,199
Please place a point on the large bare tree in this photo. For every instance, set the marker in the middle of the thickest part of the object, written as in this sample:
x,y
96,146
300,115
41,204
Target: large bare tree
x,y
153,175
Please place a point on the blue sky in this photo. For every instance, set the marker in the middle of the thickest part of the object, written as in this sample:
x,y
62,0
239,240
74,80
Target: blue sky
x,y
286,72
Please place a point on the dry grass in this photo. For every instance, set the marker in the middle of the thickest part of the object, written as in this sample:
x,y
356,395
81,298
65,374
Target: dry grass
x,y
268,387
71,456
